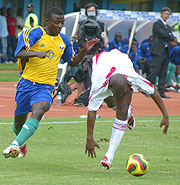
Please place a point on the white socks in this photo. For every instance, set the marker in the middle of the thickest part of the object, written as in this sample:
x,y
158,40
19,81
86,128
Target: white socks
x,y
118,130
129,112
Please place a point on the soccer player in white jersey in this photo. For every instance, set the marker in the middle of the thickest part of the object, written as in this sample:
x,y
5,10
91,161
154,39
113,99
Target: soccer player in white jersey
x,y
113,77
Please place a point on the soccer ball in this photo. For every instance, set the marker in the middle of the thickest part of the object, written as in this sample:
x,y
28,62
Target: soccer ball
x,y
137,164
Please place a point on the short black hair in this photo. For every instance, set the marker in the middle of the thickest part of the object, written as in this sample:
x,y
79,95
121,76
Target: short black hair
x,y
166,9
54,10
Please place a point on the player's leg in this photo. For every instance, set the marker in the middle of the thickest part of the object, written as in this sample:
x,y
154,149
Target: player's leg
x,y
21,112
119,126
111,104
38,108
17,126
41,100
28,129
18,123
131,121
31,125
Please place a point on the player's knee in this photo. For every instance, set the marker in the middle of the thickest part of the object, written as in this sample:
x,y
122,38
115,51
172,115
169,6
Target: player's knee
x,y
39,112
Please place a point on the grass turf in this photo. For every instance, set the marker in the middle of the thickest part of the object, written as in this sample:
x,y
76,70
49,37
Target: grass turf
x,y
9,76
11,67
56,154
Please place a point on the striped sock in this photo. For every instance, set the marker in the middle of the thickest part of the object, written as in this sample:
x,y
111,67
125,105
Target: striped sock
x,y
118,130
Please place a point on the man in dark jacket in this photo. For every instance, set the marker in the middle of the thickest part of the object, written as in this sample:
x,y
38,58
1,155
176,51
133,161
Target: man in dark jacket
x,y
162,34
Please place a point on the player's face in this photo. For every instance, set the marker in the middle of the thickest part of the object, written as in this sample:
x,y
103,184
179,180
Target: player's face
x,y
55,24
165,15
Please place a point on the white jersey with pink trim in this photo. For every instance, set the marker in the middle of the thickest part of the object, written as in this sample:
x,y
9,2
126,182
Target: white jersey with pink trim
x,y
106,64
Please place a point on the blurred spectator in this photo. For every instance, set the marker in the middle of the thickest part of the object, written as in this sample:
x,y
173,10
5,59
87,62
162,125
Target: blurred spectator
x,y
176,27
3,34
1,54
115,43
146,56
79,73
19,21
88,29
175,60
134,54
31,19
162,34
125,41
11,25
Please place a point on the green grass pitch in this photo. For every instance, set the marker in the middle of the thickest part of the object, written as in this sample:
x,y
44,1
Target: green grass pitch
x,y
56,154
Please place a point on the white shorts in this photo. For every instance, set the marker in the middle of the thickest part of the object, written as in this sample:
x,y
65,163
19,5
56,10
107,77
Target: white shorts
x,y
101,75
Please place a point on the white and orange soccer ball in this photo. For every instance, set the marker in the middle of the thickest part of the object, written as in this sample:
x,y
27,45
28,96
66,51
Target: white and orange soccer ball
x,y
137,164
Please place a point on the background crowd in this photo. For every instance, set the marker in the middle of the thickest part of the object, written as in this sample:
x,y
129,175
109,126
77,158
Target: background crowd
x,y
139,53
10,29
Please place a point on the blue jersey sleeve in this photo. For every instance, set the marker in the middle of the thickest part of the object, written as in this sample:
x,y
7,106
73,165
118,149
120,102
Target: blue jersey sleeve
x,y
28,38
68,52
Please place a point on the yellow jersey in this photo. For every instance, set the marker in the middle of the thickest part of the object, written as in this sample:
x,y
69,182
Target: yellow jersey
x,y
44,70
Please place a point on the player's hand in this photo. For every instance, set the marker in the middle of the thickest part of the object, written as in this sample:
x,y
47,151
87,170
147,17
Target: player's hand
x,y
90,44
43,54
90,148
165,122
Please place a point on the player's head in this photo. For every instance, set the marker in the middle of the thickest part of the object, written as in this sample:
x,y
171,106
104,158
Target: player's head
x,y
165,13
55,20
30,7
91,9
118,84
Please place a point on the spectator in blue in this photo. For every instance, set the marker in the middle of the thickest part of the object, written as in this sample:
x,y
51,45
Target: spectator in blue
x,y
175,59
74,42
145,62
134,54
116,42
125,41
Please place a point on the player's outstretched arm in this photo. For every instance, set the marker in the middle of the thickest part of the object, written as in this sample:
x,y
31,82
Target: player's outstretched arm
x,y
87,47
165,120
91,143
27,54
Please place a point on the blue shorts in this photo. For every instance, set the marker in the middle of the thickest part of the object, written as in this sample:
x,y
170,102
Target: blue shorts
x,y
29,93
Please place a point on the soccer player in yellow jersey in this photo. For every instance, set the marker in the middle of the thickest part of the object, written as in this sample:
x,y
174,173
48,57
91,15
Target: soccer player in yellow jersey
x,y
39,51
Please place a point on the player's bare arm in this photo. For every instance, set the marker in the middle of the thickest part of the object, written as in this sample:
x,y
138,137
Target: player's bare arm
x,y
165,120
91,143
88,45
27,54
